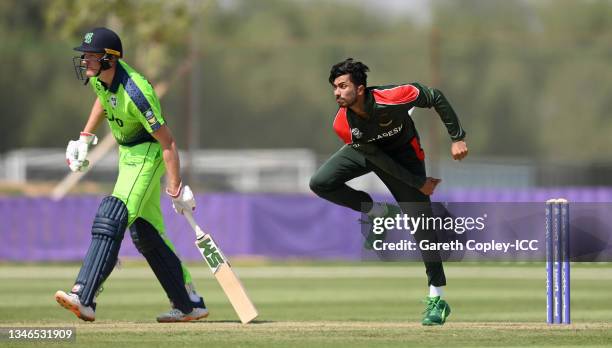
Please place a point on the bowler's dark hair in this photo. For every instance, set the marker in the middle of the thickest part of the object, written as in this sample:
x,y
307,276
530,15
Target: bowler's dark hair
x,y
356,70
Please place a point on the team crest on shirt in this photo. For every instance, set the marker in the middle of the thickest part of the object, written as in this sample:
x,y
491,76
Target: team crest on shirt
x,y
356,133
113,101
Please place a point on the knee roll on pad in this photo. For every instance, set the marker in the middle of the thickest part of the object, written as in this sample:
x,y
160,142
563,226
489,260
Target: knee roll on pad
x,y
163,261
111,219
107,233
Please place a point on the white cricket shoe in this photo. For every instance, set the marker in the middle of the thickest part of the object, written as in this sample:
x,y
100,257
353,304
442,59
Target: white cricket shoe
x,y
175,315
72,303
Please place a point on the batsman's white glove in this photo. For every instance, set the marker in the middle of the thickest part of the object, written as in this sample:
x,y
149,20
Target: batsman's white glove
x,y
182,200
76,152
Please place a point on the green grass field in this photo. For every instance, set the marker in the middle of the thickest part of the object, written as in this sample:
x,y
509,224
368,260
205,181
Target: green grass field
x,y
311,304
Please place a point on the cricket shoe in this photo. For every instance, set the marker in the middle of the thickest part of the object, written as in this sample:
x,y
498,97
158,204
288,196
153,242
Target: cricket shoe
x,y
71,302
436,312
390,211
175,315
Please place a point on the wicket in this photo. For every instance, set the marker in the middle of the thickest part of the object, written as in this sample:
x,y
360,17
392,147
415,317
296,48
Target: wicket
x,y
557,262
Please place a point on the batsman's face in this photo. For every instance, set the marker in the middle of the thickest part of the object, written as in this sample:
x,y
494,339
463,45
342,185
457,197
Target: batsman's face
x,y
91,63
345,91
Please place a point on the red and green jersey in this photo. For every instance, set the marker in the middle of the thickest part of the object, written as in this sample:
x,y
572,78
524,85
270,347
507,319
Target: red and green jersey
x,y
131,105
389,124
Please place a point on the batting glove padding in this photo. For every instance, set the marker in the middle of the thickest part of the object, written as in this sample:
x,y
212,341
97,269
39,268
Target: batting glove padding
x,y
76,152
183,199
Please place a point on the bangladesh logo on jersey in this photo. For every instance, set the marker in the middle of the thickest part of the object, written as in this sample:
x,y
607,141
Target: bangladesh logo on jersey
x,y
356,133
113,101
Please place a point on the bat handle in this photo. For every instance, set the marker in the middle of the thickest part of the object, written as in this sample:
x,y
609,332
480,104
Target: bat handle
x,y
198,231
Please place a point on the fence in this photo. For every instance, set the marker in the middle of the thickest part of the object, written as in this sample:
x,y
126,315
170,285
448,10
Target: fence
x,y
289,170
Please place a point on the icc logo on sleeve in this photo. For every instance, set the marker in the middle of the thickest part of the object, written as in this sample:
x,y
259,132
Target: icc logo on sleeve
x,y
150,117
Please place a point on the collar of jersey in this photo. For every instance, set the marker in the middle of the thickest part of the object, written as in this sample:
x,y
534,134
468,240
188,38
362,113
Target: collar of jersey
x,y
120,76
370,105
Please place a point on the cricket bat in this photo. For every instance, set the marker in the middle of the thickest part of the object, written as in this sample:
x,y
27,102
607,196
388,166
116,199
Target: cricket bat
x,y
221,268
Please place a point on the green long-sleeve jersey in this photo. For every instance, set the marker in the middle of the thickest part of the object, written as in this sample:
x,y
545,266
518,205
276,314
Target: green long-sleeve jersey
x,y
389,125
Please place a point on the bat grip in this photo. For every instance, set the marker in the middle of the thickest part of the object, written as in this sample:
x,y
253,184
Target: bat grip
x,y
198,231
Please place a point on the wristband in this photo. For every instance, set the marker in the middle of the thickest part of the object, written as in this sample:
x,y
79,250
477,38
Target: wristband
x,y
178,192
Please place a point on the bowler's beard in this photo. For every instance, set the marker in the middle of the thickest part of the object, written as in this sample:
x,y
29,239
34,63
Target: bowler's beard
x,y
343,102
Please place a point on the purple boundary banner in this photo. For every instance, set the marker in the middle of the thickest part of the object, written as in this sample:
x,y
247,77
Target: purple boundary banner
x,y
278,226
269,225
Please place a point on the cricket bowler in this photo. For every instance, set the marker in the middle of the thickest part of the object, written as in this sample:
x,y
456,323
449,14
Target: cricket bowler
x,y
146,150
380,137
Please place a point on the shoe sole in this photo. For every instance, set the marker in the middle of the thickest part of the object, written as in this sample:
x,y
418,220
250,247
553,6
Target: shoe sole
x,y
71,307
184,320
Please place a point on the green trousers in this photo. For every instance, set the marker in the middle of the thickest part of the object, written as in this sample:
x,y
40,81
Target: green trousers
x,y
397,172
138,186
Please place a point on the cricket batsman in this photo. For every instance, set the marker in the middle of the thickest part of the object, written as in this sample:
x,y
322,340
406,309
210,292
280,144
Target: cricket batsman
x,y
380,137
146,150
